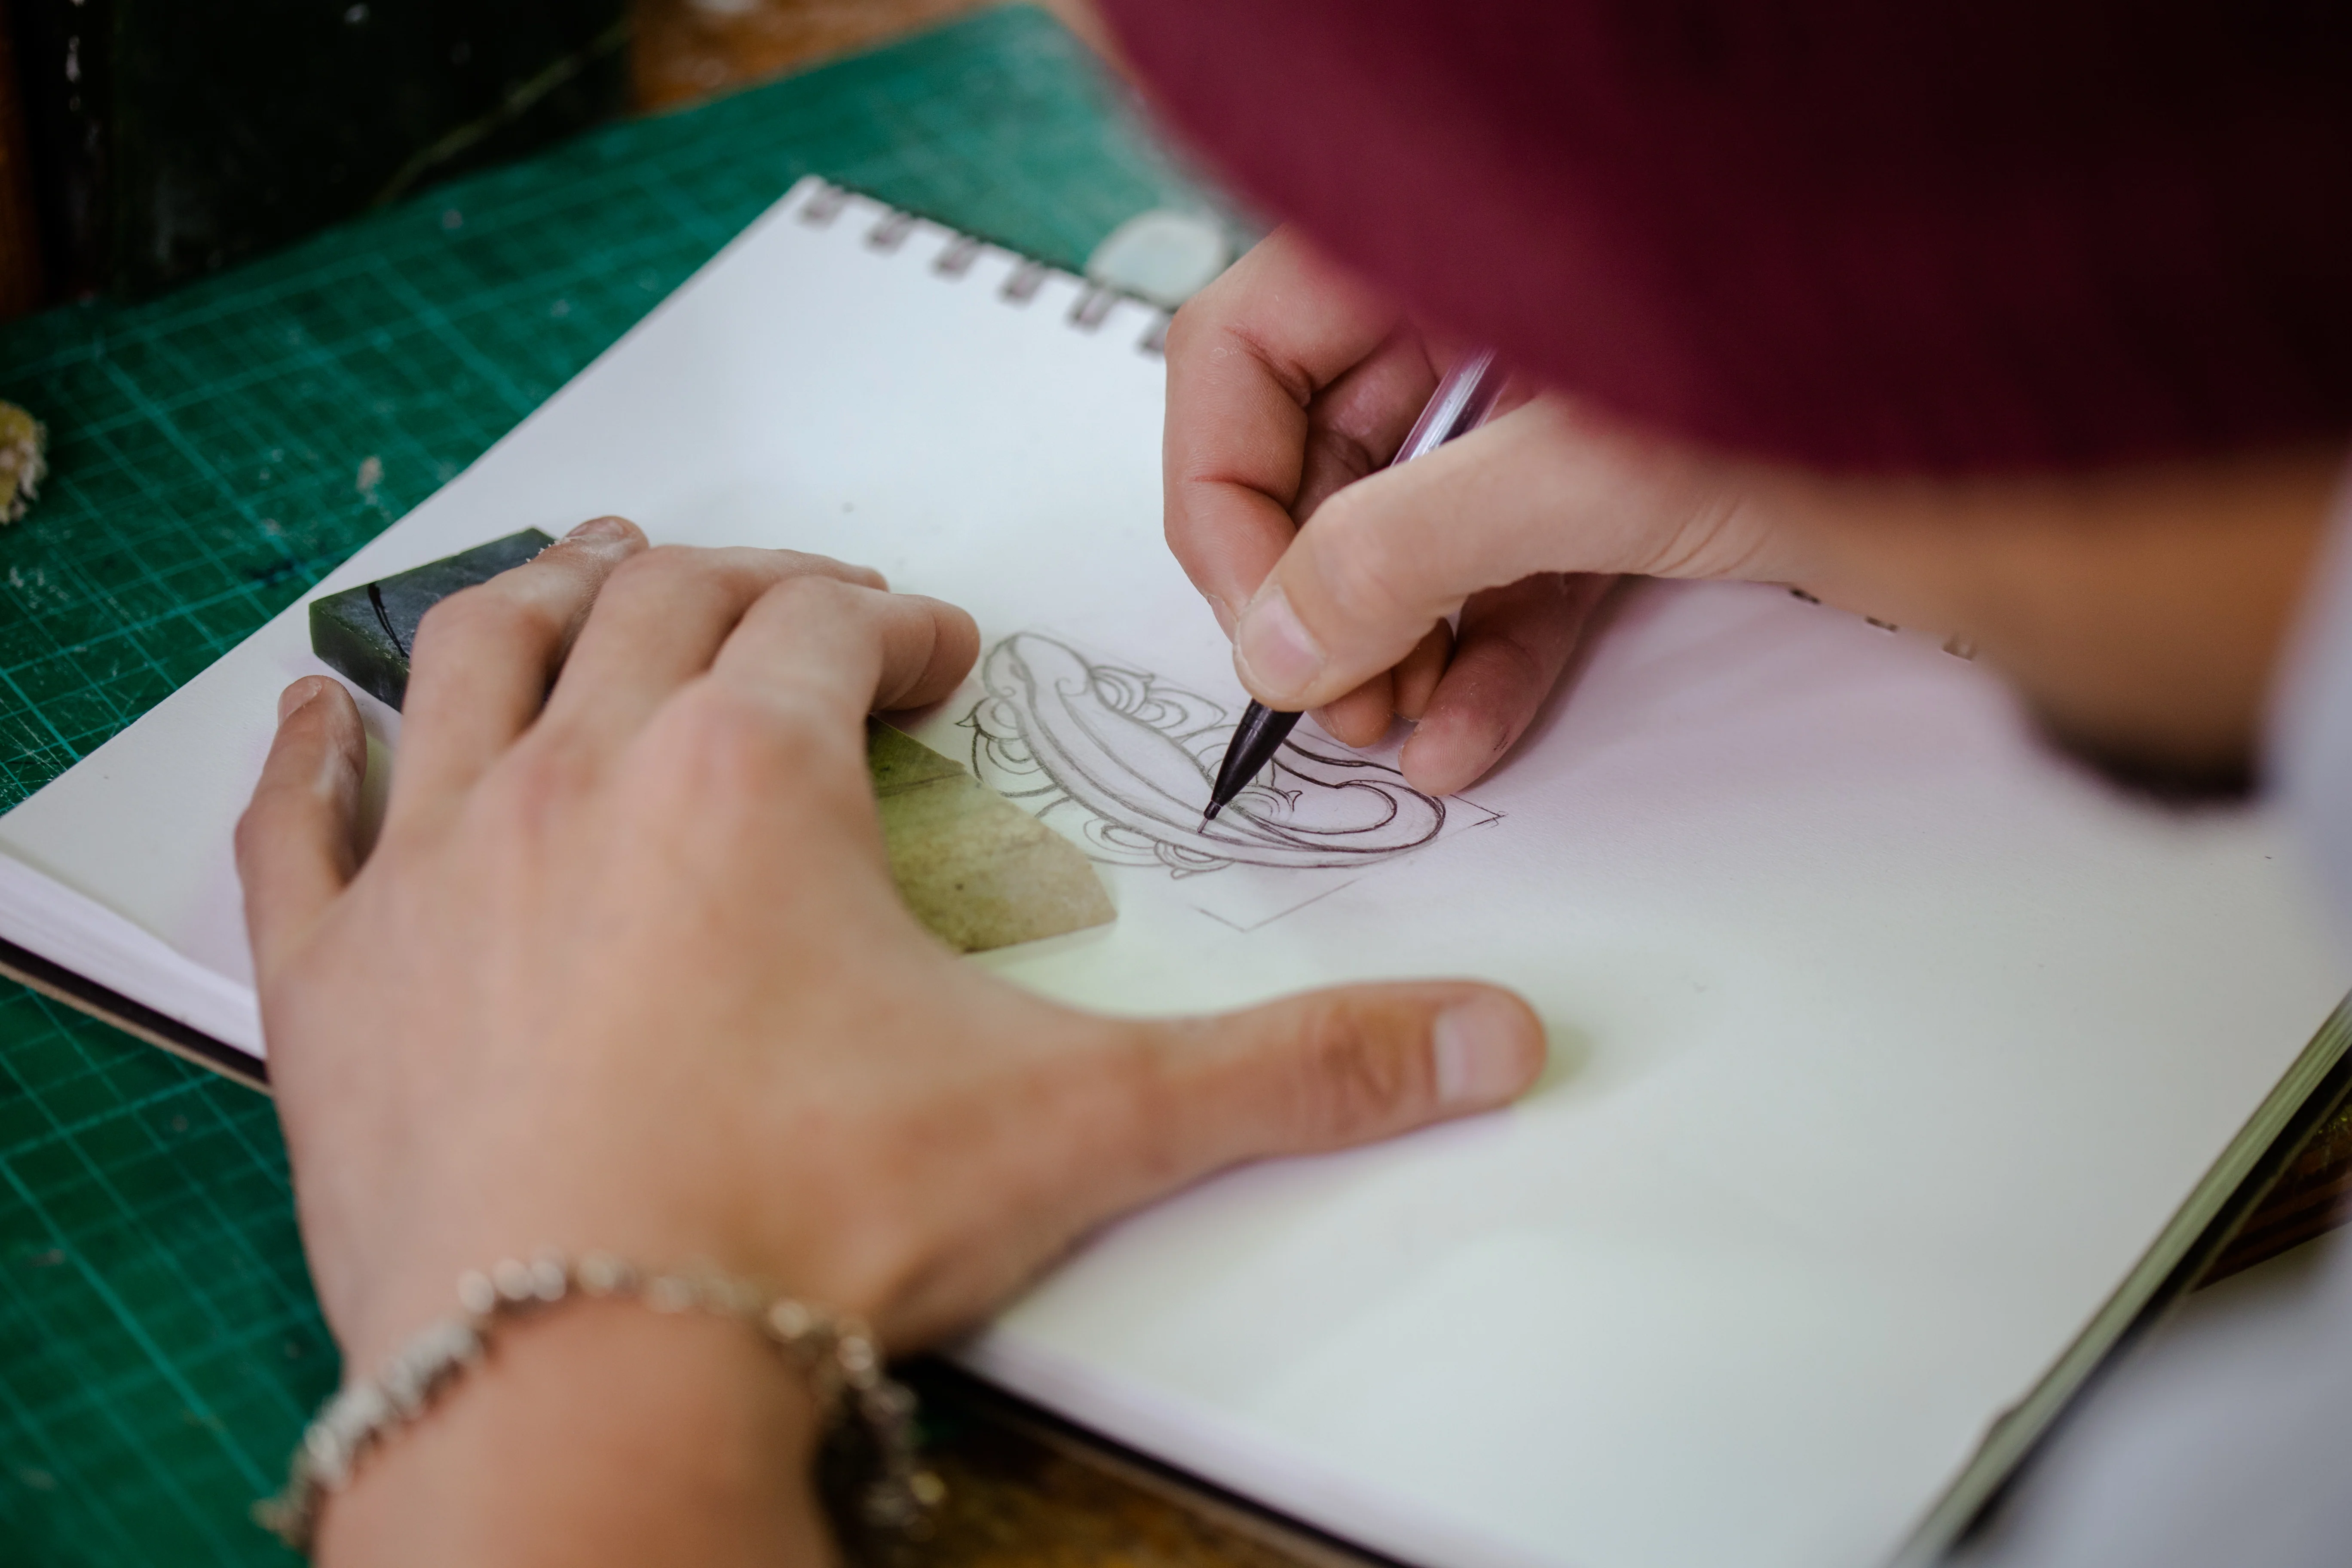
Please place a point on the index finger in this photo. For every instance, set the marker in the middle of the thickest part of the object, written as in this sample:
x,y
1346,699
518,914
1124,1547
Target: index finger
x,y
843,650
1246,358
484,658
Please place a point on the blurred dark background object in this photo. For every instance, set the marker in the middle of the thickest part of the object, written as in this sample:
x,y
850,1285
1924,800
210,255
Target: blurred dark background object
x,y
21,287
171,137
146,142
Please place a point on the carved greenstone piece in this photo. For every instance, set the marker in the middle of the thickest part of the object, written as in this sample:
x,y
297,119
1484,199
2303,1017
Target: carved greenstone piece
x,y
978,870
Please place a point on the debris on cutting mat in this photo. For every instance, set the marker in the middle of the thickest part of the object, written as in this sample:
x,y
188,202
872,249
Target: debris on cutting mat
x,y
24,460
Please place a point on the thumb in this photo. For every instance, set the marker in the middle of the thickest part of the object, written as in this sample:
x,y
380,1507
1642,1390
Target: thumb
x,y
296,846
1114,1113
1546,488
1338,1068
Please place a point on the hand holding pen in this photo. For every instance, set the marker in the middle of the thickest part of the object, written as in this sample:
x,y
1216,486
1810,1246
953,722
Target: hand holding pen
x,y
1289,382
1466,396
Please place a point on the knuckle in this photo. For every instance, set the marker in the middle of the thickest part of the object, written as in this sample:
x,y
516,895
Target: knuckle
x,y
1201,319
489,614
711,729
1203,335
818,608
1341,451
806,592
253,831
1350,1085
1184,328
1133,1102
654,569
804,732
455,617
850,573
1519,666
1186,529
734,748
1712,538
541,777
1268,359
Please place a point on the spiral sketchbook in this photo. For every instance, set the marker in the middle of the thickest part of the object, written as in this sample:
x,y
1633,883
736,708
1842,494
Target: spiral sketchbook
x,y
1895,1067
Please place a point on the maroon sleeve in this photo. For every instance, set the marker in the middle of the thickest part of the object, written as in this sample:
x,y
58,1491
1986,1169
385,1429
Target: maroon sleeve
x,y
1937,235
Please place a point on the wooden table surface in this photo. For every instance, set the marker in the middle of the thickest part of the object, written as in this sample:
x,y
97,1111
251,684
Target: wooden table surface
x,y
1023,1489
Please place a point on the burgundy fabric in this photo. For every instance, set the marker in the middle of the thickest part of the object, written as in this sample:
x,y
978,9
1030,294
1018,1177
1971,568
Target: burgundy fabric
x,y
1890,234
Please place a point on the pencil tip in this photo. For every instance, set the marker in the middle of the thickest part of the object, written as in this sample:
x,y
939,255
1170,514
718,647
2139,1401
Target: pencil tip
x,y
1210,816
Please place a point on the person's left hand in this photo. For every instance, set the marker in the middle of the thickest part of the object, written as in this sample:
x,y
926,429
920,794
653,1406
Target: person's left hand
x,y
626,971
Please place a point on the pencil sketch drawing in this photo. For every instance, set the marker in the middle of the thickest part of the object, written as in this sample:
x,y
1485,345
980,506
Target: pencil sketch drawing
x,y
1133,758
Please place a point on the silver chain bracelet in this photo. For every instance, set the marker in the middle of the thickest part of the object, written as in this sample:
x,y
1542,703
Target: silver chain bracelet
x,y
836,1353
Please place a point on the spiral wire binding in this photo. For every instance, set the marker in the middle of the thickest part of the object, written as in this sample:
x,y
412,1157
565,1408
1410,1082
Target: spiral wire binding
x,y
889,234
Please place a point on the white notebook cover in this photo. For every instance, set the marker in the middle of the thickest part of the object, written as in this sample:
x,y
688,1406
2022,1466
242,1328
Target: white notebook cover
x,y
1885,1048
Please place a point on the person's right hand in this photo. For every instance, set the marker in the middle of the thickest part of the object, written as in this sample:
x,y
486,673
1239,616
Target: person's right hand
x,y
1290,384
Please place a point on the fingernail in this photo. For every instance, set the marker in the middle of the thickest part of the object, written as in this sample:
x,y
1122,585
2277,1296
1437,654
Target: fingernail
x,y
1273,646
299,696
1475,1047
597,528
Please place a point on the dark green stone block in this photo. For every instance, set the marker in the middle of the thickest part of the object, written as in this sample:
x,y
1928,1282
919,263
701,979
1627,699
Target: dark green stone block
x,y
976,869
364,634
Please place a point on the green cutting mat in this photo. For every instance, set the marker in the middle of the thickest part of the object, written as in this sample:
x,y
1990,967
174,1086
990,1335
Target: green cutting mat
x,y
215,452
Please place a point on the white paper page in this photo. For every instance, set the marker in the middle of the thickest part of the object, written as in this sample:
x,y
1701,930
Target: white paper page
x,y
1883,1046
